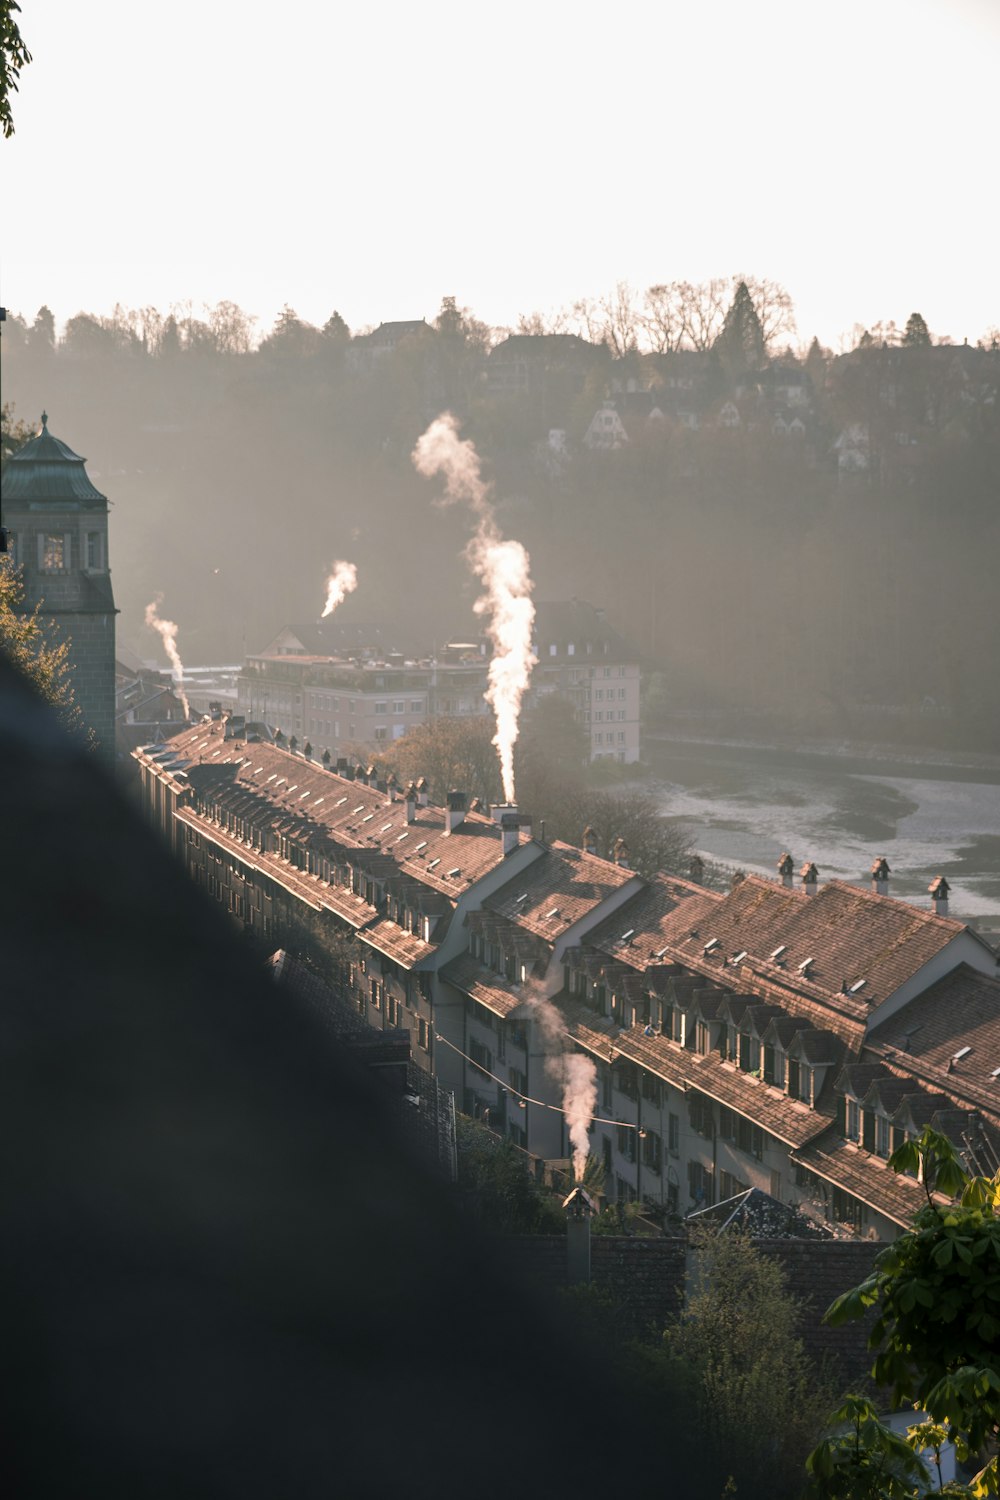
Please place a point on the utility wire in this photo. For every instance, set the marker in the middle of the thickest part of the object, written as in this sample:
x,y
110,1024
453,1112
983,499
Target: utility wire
x,y
526,1098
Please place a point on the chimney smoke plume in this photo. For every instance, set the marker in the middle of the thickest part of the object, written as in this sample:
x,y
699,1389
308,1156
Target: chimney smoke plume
x,y
167,631
575,1074
503,568
341,582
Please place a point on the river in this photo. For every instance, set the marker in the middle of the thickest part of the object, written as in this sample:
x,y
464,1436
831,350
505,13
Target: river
x,y
745,804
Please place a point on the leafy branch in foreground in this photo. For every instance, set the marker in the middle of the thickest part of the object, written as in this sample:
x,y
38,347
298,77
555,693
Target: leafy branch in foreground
x,y
936,1292
24,641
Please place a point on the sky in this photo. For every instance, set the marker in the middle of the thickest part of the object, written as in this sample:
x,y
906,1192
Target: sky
x,y
375,159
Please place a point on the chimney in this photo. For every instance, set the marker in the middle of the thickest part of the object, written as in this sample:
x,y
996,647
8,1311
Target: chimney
x,y
341,765
620,854
880,876
422,791
810,878
786,869
455,811
392,786
939,889
410,799
589,840
476,805
360,774
580,1209
696,869
510,828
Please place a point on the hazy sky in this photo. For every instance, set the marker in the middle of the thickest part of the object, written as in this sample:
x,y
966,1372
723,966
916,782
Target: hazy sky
x,y
374,158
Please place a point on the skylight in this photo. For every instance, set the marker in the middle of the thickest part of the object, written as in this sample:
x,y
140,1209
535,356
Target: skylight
x,y
806,965
962,1052
522,897
858,984
553,913
434,863
659,952
710,945
340,802
360,809
627,935
738,958
451,874
385,826
367,818
781,948
421,845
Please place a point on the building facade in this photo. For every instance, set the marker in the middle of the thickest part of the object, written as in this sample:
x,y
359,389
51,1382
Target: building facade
x,y
58,535
785,1036
341,704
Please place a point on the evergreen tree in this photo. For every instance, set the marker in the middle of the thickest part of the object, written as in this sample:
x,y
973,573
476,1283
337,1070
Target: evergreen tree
x,y
916,334
741,342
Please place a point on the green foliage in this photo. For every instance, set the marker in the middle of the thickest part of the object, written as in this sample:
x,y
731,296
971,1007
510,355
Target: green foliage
x,y
497,1188
936,1290
27,643
740,1371
14,56
916,335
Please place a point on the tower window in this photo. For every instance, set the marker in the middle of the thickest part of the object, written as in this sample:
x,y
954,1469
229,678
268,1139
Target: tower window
x,y
53,552
95,552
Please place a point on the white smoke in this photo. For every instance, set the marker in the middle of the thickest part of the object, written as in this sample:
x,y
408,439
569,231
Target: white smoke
x,y
167,631
575,1074
504,570
341,582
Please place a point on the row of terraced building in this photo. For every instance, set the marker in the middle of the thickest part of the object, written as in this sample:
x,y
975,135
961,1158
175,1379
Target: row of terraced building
x,y
786,1035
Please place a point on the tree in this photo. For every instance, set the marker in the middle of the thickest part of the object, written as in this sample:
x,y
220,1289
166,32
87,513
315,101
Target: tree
x,y
916,334
336,330
290,337
663,319
450,753
232,328
496,1187
739,1367
936,1336
14,56
42,335
25,642
741,342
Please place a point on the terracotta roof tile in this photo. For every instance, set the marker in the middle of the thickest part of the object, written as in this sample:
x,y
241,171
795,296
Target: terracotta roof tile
x,y
558,890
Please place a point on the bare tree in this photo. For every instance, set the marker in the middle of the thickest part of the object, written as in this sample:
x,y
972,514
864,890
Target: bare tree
x,y
773,307
232,328
703,310
663,317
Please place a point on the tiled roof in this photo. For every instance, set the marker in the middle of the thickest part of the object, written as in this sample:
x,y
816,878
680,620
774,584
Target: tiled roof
x,y
864,1176
849,934
356,815
558,889
474,979
790,1120
657,915
407,948
960,1011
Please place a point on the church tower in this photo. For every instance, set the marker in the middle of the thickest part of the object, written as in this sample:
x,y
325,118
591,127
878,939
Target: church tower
x,y
57,526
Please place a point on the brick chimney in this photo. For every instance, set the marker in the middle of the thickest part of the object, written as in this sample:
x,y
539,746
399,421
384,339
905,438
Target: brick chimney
x,y
455,811
410,798
939,889
589,840
880,876
810,878
580,1209
510,828
786,869
696,869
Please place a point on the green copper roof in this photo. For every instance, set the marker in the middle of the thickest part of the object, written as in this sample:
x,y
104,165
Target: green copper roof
x,y
46,469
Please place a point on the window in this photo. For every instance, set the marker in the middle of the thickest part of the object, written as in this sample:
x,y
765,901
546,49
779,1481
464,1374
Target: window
x,y
53,552
852,1128
652,1089
700,1111
95,551
381,708
381,733
730,1186
674,1134
652,1151
622,693
699,1182
416,705
881,1135
399,707
626,1141
482,1057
